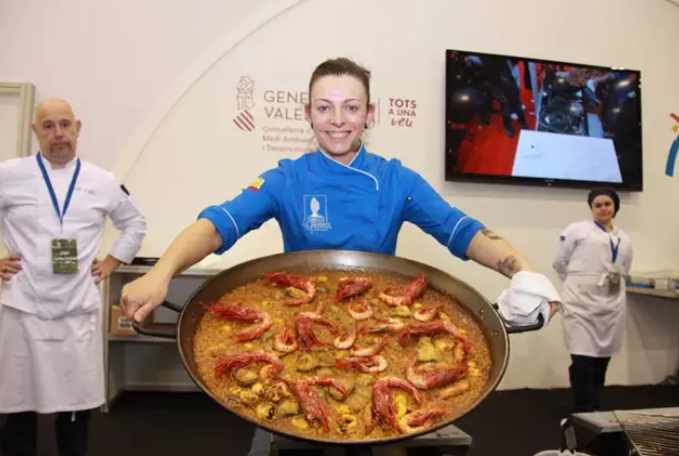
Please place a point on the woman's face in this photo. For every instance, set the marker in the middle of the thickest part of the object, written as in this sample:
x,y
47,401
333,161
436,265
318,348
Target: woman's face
x,y
603,209
338,111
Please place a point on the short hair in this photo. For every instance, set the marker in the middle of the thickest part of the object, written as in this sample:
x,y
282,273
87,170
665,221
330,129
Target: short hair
x,y
608,191
341,66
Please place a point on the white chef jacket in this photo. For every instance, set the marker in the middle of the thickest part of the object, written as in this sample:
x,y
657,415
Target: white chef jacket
x,y
51,356
29,222
593,315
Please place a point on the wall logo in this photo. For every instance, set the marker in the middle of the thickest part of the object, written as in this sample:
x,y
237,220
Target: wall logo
x,y
402,112
245,101
316,213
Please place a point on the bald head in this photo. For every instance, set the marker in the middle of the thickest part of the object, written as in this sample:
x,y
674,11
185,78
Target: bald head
x,y
49,105
56,129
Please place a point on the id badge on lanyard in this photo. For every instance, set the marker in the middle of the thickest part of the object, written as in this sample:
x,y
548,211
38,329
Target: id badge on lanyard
x,y
615,275
64,256
614,279
64,251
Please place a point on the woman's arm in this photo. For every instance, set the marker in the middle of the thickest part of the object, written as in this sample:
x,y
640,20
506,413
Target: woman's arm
x,y
144,294
627,259
491,250
568,241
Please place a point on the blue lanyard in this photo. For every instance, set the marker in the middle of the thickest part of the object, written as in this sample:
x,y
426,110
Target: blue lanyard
x,y
672,157
50,188
614,248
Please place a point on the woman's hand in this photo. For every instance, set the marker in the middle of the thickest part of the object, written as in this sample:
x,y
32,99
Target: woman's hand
x,y
530,294
141,296
103,269
9,266
146,293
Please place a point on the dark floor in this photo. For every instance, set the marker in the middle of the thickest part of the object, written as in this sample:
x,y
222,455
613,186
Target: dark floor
x,y
515,422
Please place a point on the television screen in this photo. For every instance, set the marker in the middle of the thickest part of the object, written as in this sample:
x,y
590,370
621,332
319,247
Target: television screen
x,y
529,121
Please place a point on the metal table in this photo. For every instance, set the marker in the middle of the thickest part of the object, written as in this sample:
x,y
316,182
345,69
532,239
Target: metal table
x,y
602,432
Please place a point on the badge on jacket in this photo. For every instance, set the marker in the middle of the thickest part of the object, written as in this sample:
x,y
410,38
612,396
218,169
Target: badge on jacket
x,y
64,256
316,213
256,184
614,279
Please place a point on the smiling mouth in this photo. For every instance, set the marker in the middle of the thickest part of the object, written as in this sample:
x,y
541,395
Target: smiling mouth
x,y
338,134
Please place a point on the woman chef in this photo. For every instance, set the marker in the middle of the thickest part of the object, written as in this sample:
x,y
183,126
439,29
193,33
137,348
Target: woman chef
x,y
53,209
342,197
592,260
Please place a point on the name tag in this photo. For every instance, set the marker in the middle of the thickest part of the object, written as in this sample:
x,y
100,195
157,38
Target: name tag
x,y
64,256
614,279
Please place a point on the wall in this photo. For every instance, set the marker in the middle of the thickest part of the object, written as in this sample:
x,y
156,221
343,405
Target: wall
x,y
155,84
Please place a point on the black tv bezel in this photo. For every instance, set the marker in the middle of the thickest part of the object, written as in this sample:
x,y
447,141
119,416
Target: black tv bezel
x,y
540,181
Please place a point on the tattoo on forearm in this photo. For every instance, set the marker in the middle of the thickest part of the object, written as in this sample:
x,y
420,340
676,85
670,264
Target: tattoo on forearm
x,y
491,234
509,266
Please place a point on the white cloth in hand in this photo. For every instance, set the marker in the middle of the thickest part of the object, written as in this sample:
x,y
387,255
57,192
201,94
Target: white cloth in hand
x,y
527,297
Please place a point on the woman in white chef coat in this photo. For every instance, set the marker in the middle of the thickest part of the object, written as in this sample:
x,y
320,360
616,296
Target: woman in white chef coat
x,y
594,256
53,209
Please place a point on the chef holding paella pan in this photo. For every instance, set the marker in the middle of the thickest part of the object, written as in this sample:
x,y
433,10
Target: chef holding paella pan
x,y
336,354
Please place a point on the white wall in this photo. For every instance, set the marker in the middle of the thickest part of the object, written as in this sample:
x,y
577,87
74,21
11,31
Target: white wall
x,y
154,83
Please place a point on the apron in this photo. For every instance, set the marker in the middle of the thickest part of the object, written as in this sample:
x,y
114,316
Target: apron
x,y
593,317
594,293
50,365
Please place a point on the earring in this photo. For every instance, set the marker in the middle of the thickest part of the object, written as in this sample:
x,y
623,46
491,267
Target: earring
x,y
366,125
311,124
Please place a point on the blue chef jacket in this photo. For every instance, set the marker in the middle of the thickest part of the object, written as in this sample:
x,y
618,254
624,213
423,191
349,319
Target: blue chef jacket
x,y
320,203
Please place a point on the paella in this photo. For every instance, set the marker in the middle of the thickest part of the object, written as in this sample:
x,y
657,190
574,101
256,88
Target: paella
x,y
342,355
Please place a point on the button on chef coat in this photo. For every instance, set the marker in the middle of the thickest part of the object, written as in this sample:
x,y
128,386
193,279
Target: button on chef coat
x,y
321,203
29,222
593,316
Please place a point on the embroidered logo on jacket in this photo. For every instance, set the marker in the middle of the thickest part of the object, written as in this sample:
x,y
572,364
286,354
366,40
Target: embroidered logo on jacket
x,y
89,191
316,213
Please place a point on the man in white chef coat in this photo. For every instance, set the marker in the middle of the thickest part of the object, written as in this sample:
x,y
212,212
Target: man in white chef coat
x,y
53,208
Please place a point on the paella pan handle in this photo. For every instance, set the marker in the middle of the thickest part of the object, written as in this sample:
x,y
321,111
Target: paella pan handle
x,y
522,328
167,333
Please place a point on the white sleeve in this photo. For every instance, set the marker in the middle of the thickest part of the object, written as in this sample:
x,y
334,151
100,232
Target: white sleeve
x,y
567,242
3,179
627,260
127,218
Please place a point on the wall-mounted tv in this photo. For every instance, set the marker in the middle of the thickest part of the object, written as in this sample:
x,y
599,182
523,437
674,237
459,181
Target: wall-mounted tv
x,y
529,121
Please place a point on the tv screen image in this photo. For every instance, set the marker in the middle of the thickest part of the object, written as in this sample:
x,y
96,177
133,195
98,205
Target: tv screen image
x,y
521,120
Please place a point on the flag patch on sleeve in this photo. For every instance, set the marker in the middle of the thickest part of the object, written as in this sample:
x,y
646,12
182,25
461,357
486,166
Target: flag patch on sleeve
x,y
256,184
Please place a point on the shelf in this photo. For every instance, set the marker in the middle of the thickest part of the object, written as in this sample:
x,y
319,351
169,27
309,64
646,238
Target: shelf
x,y
142,339
667,294
142,269
141,362
171,387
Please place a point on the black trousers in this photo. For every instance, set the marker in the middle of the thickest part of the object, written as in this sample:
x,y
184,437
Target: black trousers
x,y
18,435
587,375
